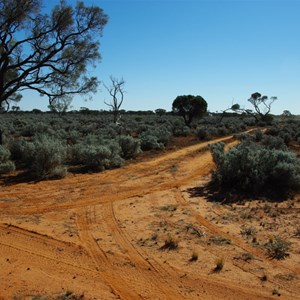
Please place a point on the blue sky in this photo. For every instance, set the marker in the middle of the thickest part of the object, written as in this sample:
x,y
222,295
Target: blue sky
x,y
222,50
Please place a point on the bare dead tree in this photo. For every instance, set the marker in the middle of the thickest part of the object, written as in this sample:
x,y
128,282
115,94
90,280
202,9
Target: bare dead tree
x,y
116,91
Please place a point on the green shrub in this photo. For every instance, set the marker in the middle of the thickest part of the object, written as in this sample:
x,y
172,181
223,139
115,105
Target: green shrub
x,y
17,149
278,248
155,138
255,170
45,157
116,161
274,130
179,128
222,131
97,157
130,147
163,135
150,142
27,152
6,165
286,137
273,142
258,135
248,231
4,154
202,133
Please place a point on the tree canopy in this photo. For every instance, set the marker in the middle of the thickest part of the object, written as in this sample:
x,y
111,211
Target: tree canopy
x,y
262,106
48,53
189,107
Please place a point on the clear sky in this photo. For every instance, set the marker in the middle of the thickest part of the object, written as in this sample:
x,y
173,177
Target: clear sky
x,y
223,50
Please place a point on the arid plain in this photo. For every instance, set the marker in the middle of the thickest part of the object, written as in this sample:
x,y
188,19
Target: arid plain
x,y
143,231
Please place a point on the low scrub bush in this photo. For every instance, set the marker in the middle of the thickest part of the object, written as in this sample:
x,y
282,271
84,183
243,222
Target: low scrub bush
x,y
180,129
4,154
97,157
130,147
273,142
208,132
202,133
155,138
6,165
219,265
194,256
17,149
258,135
170,244
255,170
278,248
150,142
45,157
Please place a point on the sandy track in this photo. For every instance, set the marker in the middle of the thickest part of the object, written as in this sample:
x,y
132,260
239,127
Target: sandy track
x,y
84,233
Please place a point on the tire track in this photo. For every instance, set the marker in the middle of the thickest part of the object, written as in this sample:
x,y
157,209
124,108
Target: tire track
x,y
128,273
137,255
90,195
101,263
237,241
175,277
48,248
143,279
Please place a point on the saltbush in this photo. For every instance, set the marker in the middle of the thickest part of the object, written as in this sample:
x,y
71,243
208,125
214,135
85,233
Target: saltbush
x,y
150,142
273,142
4,154
179,128
258,135
6,165
155,138
278,248
202,133
255,170
130,147
17,149
45,157
97,157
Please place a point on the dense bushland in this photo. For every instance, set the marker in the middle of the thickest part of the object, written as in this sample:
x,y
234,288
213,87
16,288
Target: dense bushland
x,y
49,144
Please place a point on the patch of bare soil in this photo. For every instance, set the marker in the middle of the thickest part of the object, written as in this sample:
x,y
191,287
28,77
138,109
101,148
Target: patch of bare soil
x,y
138,233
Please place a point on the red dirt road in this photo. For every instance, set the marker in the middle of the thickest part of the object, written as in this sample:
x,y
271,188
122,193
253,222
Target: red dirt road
x,y
101,236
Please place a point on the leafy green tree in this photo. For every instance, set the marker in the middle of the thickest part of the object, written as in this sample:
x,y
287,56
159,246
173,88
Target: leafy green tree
x,y
189,107
48,53
234,108
160,111
262,106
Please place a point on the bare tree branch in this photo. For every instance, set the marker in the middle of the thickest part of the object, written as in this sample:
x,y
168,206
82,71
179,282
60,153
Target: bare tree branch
x,y
116,91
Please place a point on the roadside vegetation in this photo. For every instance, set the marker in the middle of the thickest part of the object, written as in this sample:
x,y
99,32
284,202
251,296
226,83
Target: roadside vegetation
x,y
260,165
43,145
